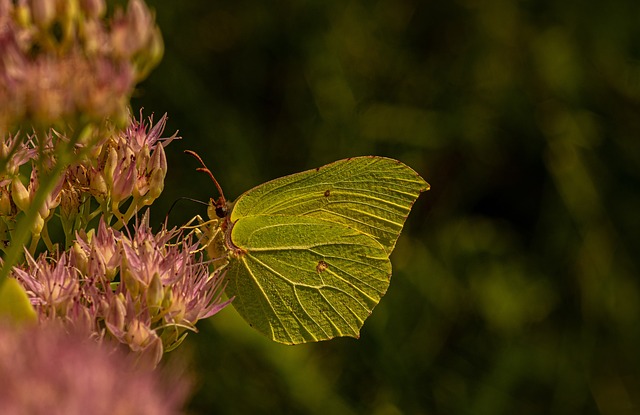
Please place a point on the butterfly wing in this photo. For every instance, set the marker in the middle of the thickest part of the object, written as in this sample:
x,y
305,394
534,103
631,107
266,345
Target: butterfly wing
x,y
309,252
372,195
300,279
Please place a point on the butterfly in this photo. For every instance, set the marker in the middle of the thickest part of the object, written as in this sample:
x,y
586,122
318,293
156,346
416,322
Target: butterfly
x,y
306,256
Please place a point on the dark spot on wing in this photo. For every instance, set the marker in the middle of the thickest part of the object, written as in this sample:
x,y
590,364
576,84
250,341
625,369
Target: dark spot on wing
x,y
327,193
321,266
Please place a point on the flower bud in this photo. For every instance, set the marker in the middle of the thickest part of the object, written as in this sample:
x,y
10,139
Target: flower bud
x,y
140,186
140,24
142,158
152,354
5,203
88,235
158,160
156,185
155,294
79,258
20,194
130,281
70,11
123,182
93,8
138,335
116,315
110,166
38,224
43,12
97,267
97,185
130,33
43,211
69,204
23,15
81,318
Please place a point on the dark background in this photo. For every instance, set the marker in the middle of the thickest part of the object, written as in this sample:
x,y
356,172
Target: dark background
x,y
515,286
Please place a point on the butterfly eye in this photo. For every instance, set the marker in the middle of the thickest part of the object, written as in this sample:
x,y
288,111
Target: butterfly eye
x,y
221,211
221,207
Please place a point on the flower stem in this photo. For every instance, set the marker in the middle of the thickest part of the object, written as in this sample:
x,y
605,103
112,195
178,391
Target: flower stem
x,y
64,157
23,229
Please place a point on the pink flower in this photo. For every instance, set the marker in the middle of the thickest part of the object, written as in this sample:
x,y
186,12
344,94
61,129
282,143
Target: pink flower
x,y
87,69
53,286
46,371
15,151
145,291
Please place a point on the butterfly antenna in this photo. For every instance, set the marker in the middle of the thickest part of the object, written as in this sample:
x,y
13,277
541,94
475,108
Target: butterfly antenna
x,y
185,198
205,169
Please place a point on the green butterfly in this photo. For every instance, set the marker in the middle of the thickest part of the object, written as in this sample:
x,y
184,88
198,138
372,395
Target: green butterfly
x,y
307,255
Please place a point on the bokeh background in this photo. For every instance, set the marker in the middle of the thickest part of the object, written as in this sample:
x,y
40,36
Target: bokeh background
x,y
515,286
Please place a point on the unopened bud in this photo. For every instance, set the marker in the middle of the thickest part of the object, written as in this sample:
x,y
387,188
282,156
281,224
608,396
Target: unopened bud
x,y
43,211
70,11
20,195
152,354
130,282
156,186
110,166
167,300
79,258
142,158
23,15
97,184
116,315
5,203
37,226
93,8
43,12
155,294
140,23
123,183
140,188
138,335
69,204
158,160
82,319
96,265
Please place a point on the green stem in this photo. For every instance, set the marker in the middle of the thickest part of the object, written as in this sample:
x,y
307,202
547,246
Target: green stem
x,y
116,212
65,157
45,237
23,229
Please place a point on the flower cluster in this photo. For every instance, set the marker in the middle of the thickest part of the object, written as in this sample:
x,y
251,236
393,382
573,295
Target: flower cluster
x,y
70,150
129,164
145,291
44,370
62,60
125,164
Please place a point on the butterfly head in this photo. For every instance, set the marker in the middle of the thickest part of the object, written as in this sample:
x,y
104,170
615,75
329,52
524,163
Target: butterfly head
x,y
218,208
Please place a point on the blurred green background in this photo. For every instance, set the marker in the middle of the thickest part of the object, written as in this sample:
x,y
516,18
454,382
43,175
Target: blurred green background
x,y
515,286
